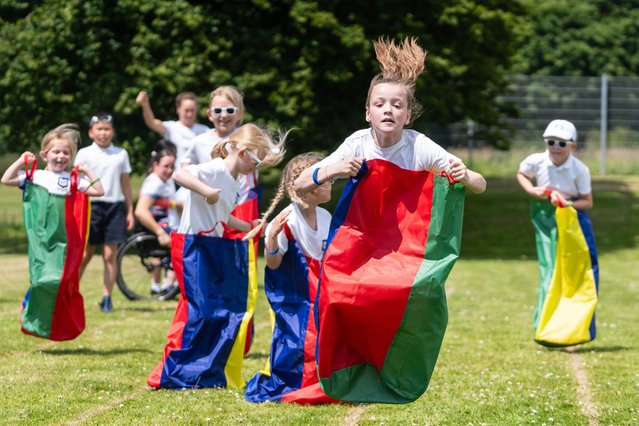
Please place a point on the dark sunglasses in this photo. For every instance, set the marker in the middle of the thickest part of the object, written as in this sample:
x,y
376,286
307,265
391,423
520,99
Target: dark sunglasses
x,y
562,144
219,110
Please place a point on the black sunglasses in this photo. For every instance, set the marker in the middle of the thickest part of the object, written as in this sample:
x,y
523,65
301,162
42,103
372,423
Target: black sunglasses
x,y
562,144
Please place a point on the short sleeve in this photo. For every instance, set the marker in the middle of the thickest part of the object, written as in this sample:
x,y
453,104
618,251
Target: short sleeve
x,y
150,187
583,181
528,166
126,166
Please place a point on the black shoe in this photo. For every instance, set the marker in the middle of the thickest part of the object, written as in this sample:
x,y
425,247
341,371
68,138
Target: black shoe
x,y
106,305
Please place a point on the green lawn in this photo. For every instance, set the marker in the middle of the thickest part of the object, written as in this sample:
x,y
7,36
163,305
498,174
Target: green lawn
x,y
489,371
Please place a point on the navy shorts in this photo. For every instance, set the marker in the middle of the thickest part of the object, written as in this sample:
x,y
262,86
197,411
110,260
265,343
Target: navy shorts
x,y
108,223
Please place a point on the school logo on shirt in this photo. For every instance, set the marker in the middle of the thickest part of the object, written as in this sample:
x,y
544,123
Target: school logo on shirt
x,y
63,182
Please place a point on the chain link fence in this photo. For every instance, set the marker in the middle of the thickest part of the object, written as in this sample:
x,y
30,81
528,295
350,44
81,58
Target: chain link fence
x,y
604,109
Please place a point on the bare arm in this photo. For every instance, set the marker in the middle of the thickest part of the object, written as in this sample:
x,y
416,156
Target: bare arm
x,y
238,224
532,190
95,189
470,179
147,113
10,176
125,181
143,214
342,169
184,178
274,260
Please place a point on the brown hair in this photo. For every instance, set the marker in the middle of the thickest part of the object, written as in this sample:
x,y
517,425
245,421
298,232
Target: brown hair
x,y
293,169
268,148
185,96
68,132
400,64
233,94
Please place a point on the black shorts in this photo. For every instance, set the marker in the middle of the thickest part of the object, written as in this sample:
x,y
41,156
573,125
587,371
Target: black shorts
x,y
108,223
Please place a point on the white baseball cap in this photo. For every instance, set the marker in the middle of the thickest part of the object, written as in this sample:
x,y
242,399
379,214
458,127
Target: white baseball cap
x,y
561,129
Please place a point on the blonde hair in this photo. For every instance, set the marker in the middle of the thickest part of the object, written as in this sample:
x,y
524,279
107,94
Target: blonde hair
x,y
293,169
68,132
268,148
233,94
400,64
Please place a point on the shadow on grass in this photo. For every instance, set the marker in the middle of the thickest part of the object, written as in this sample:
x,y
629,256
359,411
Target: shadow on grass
x,y
91,352
256,355
597,349
159,306
497,223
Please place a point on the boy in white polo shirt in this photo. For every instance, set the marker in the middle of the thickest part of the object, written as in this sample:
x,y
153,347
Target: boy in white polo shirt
x,y
556,171
111,214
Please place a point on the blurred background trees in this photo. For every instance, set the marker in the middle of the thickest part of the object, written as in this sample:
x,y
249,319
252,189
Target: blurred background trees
x,y
300,63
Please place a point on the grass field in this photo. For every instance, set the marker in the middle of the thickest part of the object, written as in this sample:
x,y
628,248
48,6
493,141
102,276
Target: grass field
x,y
489,371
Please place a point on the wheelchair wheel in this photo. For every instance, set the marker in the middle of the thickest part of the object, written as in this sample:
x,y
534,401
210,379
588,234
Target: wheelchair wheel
x,y
135,260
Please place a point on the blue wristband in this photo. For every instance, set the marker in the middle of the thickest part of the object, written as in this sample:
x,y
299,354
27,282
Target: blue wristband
x,y
315,180
273,251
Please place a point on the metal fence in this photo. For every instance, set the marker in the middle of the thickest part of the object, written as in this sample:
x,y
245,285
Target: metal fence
x,y
604,109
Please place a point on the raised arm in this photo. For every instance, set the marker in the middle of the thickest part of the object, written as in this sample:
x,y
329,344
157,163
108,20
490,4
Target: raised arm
x,y
147,113
10,176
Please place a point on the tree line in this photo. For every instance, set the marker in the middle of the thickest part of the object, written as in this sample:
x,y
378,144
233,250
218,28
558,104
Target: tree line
x,y
300,63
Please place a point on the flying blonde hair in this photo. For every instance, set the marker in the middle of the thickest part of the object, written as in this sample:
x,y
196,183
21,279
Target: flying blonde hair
x,y
293,169
268,148
400,63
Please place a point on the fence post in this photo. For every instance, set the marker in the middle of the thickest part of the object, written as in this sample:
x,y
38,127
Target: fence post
x,y
470,133
604,121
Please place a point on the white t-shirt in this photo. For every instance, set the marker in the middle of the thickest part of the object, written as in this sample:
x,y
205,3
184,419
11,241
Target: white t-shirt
x,y
197,215
571,179
311,242
182,137
414,151
109,164
154,187
55,183
200,152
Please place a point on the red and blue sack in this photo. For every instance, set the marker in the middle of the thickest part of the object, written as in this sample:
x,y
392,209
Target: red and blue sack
x,y
57,227
568,275
206,341
382,312
247,211
290,375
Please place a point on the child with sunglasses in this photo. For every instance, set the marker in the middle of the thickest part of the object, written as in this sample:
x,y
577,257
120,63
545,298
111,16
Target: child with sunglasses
x,y
217,275
568,267
556,173
226,112
181,132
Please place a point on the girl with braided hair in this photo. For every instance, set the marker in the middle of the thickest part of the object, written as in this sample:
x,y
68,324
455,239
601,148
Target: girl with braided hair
x,y
394,237
295,243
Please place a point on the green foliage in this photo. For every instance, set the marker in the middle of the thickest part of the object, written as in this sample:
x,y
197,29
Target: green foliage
x,y
587,38
301,63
